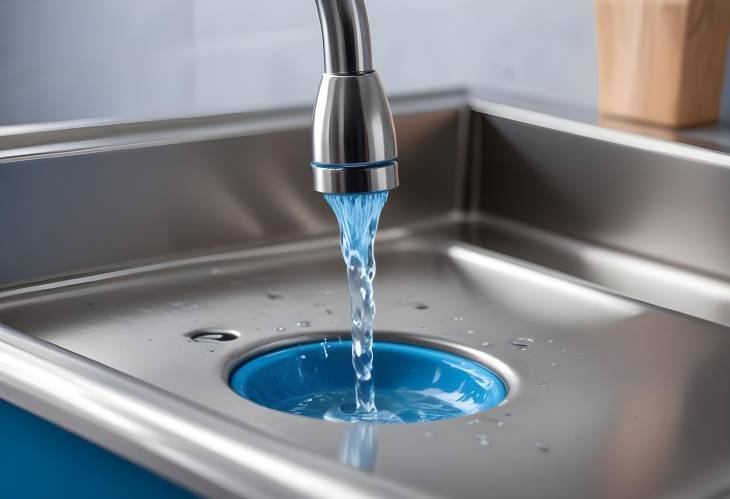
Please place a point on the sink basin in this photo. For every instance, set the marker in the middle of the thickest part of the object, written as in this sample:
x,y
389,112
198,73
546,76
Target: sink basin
x,y
130,331
596,366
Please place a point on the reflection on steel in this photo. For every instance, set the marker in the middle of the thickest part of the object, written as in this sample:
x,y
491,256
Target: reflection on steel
x,y
359,448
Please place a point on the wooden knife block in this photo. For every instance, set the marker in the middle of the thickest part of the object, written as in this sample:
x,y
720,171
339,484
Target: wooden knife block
x,y
662,61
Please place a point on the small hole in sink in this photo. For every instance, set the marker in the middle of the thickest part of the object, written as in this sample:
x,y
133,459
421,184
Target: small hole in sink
x,y
213,335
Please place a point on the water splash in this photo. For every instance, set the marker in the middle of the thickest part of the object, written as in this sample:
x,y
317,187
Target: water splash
x,y
358,216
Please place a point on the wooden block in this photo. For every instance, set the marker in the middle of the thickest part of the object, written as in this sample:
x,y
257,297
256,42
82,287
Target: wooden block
x,y
662,61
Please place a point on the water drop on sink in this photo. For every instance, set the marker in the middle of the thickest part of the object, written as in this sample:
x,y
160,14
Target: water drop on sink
x,y
304,324
428,434
522,343
473,422
458,318
274,294
280,329
420,306
550,342
542,447
483,440
470,332
554,364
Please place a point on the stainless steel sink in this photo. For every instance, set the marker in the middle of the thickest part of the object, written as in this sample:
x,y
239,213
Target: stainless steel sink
x,y
615,396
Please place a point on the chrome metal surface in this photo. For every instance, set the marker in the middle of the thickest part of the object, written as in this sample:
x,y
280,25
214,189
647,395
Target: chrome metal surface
x,y
656,199
352,122
346,36
45,140
352,179
588,122
199,186
677,288
614,398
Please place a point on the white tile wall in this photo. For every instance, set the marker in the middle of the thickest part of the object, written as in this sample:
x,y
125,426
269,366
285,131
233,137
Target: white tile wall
x,y
131,59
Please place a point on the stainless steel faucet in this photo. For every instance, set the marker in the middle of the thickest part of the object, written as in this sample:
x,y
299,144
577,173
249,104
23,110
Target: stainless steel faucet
x,y
353,137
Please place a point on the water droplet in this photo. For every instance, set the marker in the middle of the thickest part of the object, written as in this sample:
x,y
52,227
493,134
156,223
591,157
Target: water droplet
x,y
458,318
328,311
473,422
428,434
302,356
550,342
420,306
542,447
542,383
508,414
563,350
554,364
280,329
483,440
213,335
522,343
304,324
324,349
470,332
274,294
436,375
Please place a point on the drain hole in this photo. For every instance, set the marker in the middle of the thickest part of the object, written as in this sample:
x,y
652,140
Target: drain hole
x,y
213,335
414,384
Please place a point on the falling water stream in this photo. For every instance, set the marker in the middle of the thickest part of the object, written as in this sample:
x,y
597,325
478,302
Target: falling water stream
x,y
358,215
415,384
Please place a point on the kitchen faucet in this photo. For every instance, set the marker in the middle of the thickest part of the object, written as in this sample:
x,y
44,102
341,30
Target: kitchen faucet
x,y
353,136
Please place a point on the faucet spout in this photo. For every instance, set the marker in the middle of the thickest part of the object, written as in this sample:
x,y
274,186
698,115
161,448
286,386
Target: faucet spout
x,y
346,37
353,136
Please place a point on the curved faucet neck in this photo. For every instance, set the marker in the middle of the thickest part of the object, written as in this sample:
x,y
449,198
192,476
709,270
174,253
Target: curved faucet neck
x,y
346,37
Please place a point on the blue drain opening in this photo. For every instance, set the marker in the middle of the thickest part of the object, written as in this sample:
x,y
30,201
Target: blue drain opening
x,y
412,383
